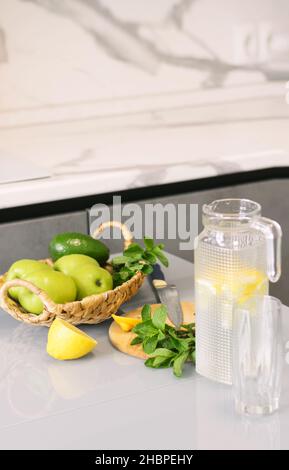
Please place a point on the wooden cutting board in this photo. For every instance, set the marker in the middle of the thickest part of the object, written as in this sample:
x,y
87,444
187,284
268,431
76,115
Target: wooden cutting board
x,y
121,339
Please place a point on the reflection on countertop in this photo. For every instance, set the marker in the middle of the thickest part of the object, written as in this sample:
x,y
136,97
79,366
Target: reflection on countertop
x,y
112,399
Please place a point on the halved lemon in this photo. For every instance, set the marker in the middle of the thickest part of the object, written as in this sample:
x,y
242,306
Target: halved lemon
x,y
65,341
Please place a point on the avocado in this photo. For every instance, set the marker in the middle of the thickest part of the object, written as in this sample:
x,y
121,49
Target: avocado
x,y
70,243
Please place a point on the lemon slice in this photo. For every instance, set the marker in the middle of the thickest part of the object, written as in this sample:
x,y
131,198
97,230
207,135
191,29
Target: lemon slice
x,y
246,284
239,287
65,341
126,323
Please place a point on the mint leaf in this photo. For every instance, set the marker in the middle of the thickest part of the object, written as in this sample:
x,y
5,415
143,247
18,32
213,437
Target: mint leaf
x,y
124,275
161,256
136,340
168,343
136,267
158,362
161,335
146,269
146,312
144,329
165,345
150,362
135,258
118,260
150,257
179,363
159,317
193,356
189,327
149,243
160,246
179,344
150,344
161,362
133,249
162,352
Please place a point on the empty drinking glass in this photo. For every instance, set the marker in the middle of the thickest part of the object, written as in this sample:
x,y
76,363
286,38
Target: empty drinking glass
x,y
257,355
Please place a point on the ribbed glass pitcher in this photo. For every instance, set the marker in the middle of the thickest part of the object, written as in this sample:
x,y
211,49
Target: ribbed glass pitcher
x,y
236,255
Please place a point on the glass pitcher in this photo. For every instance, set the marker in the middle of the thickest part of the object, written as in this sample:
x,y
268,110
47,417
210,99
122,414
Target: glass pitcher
x,y
236,255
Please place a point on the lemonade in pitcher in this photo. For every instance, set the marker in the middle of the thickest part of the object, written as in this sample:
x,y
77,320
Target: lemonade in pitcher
x,y
236,255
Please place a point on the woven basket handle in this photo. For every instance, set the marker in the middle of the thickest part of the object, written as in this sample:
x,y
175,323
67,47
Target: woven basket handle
x,y
126,233
51,307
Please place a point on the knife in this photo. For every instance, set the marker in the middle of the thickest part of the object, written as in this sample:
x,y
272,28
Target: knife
x,y
166,294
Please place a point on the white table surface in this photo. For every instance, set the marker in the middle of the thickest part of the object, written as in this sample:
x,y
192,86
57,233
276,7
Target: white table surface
x,y
108,400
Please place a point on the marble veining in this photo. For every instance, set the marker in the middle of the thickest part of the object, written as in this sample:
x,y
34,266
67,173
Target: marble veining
x,y
95,51
120,94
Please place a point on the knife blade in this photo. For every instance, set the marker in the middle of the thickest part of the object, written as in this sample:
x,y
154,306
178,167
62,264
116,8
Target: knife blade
x,y
166,294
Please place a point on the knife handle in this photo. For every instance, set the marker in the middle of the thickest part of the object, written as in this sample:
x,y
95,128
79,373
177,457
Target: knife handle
x,y
157,273
157,277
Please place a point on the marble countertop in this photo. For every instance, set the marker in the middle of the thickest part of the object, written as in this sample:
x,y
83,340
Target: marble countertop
x,y
109,400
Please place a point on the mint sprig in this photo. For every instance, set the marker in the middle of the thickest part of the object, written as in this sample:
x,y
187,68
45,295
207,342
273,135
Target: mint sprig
x,y
136,258
165,345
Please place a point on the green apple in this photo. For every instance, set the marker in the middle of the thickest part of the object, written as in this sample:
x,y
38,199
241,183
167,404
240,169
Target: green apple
x,y
70,264
21,268
58,286
91,280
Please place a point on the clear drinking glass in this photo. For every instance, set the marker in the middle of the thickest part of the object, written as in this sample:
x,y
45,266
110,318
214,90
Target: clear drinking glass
x,y
257,354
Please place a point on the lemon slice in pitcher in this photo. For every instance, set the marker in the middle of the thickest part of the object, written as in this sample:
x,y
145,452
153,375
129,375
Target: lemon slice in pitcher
x,y
248,282
239,287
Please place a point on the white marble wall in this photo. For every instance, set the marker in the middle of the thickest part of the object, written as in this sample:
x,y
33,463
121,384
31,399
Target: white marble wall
x,y
66,59
105,95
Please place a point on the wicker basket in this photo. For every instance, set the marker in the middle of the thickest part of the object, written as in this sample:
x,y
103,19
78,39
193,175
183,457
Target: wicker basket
x,y
92,309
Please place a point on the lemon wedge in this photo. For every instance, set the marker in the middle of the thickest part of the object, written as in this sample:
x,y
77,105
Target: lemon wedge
x,y
126,323
65,341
